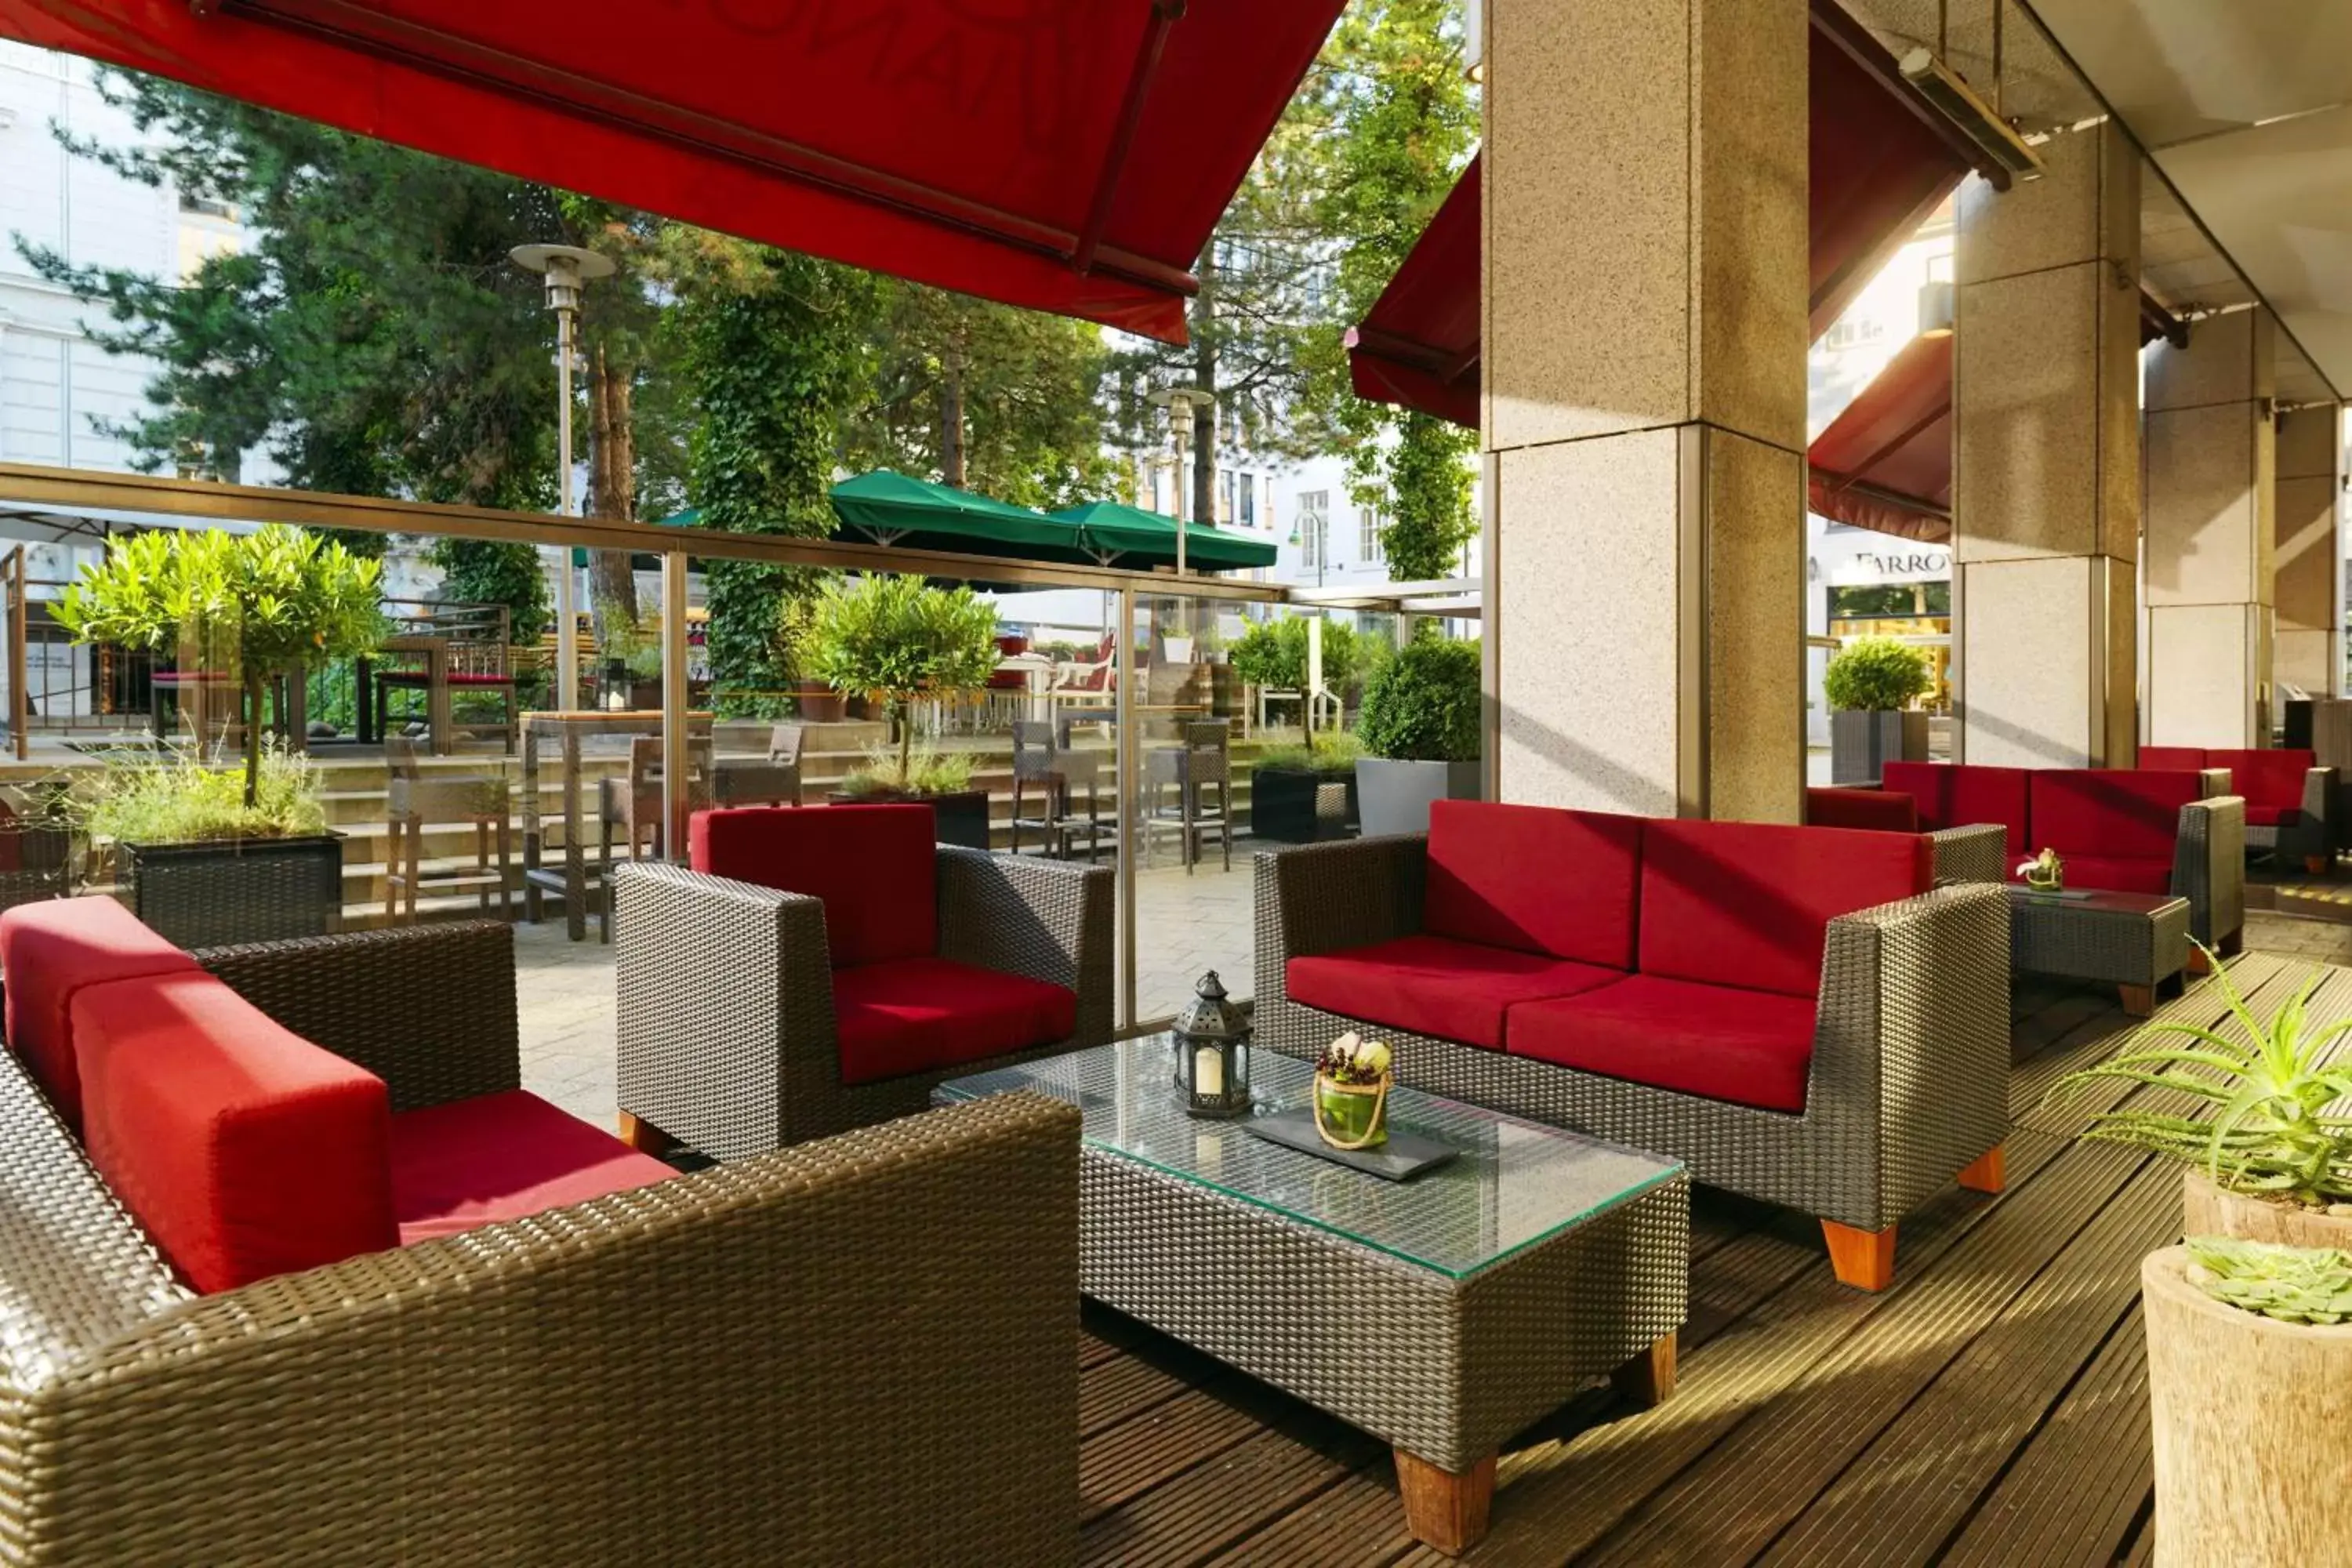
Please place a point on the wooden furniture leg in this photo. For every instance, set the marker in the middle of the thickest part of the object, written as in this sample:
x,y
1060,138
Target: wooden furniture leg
x,y
2319,865
1445,1511
1986,1175
1861,1259
2138,1001
2197,963
1649,1378
506,870
644,1136
391,853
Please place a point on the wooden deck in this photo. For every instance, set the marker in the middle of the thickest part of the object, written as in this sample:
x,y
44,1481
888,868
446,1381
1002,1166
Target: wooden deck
x,y
1989,1409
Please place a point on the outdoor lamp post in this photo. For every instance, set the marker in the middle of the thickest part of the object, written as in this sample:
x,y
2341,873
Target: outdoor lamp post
x,y
1184,404
565,267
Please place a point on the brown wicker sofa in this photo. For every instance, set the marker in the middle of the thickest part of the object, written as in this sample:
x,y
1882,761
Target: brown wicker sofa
x,y
747,985
1570,967
858,1350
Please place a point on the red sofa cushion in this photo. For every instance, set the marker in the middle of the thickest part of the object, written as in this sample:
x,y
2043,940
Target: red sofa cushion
x,y
1876,810
2271,780
2110,813
2114,875
473,1163
920,1015
872,866
1751,1047
1954,795
2175,758
1437,985
49,953
243,1149
1748,904
1534,879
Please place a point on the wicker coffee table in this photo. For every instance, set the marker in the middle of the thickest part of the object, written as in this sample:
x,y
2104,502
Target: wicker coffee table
x,y
2137,943
1442,1314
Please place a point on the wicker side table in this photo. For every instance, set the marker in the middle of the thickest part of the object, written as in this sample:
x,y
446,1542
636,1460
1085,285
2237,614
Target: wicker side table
x,y
2137,943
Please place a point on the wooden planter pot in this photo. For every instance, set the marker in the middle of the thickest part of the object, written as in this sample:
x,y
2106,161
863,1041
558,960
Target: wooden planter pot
x,y
2248,1416
1289,806
2208,1210
1863,743
219,891
962,816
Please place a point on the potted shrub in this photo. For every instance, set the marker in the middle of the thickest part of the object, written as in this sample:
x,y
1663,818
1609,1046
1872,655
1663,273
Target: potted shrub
x,y
2271,1164
1420,727
43,848
1272,655
208,860
1305,795
901,641
1871,684
2250,1394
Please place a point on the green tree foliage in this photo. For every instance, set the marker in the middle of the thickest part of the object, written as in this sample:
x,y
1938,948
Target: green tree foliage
x,y
897,638
1423,704
487,572
1876,674
1404,119
257,602
1273,654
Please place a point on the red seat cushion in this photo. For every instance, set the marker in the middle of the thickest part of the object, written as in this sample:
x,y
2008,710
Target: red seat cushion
x,y
1874,810
2115,875
1952,795
2175,758
49,953
2110,813
2271,780
872,866
1748,904
1534,879
920,1015
243,1149
1751,1047
1438,986
473,1163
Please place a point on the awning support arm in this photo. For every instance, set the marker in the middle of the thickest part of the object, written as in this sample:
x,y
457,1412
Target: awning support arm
x,y
1165,15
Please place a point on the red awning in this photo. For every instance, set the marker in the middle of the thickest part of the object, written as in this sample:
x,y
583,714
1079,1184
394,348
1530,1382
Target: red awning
x,y
1067,156
1885,464
1880,164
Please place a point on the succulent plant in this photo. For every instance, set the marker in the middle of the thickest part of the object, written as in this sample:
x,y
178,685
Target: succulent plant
x,y
2292,1284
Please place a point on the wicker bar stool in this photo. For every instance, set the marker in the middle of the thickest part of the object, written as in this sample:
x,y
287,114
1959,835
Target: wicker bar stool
x,y
414,801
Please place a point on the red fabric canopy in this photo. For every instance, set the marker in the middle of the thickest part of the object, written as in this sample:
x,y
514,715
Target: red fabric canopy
x,y
1879,167
1885,464
1067,156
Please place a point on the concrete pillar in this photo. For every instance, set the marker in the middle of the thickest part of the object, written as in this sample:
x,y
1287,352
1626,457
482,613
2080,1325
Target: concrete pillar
x,y
2309,642
2045,480
2209,456
1644,419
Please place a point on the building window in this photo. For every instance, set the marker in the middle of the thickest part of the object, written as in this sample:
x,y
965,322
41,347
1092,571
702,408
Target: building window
x,y
1371,524
1247,516
1852,333
1314,520
1225,511
207,207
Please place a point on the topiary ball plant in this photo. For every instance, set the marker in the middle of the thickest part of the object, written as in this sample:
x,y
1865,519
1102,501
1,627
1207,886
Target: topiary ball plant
x,y
1423,705
1876,675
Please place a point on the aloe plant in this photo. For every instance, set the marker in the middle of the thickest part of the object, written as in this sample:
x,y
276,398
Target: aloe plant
x,y
2292,1284
2269,1131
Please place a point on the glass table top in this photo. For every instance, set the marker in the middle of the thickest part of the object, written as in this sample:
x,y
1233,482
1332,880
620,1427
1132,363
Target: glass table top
x,y
1511,1185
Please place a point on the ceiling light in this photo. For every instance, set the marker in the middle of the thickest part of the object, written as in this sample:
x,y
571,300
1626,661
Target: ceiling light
x,y
1976,120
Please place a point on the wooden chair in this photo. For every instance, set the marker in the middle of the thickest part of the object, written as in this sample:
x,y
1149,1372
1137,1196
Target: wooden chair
x,y
415,800
1202,760
634,805
772,780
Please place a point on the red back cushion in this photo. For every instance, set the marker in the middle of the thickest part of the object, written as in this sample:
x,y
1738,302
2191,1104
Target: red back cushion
x,y
49,953
872,866
1876,810
2111,814
244,1150
2271,777
1952,795
1534,879
1747,904
2175,758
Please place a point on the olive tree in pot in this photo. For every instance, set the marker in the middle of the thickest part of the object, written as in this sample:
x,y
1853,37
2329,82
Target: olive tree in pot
x,y
1870,685
1421,726
901,641
208,857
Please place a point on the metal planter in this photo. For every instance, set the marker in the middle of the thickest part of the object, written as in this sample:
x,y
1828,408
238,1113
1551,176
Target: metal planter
x,y
1861,742
1394,796
1290,806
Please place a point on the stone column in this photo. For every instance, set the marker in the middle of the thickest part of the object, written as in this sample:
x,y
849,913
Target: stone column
x,y
2045,481
2309,641
1644,346
2209,461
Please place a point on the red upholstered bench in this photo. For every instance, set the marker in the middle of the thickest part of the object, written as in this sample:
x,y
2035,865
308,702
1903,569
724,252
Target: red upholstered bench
x,y
2290,800
1720,992
1965,851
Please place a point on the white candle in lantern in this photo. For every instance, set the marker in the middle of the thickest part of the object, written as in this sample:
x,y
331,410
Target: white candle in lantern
x,y
1208,1071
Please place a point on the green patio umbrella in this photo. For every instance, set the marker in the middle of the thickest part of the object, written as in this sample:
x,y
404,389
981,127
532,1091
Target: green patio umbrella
x,y
1128,536
887,508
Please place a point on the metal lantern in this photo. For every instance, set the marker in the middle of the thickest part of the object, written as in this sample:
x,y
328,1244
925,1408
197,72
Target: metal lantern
x,y
1212,1052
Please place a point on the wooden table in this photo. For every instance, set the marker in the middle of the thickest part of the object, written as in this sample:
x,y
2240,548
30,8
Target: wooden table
x,y
569,729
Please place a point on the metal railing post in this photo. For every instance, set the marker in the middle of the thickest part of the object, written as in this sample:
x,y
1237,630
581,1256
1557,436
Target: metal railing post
x,y
677,785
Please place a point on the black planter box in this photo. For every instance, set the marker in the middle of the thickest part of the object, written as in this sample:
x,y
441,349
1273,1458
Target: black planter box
x,y
1289,806
218,891
962,816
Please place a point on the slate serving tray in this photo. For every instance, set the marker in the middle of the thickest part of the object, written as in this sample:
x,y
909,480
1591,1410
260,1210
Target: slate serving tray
x,y
1404,1156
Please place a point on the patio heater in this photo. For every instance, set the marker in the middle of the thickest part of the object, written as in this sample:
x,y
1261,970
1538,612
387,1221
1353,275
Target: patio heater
x,y
565,267
1183,403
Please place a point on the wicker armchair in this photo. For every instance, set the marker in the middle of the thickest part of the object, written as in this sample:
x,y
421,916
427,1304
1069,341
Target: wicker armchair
x,y
725,1015
1908,1079
870,1338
